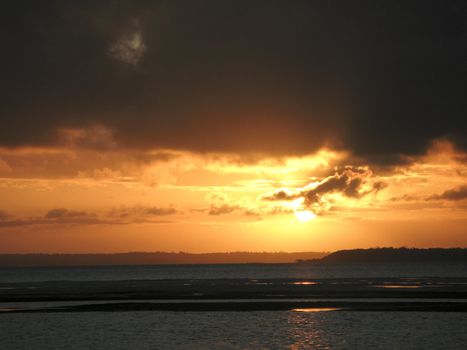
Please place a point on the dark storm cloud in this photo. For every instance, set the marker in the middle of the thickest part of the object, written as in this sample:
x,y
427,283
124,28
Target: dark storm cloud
x,y
379,78
455,194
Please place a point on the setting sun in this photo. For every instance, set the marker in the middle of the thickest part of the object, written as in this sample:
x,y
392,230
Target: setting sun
x,y
304,215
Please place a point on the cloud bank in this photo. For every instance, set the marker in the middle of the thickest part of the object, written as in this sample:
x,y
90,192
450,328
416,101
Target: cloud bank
x,y
382,80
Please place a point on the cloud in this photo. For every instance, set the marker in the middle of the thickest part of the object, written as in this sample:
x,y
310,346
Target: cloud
x,y
52,217
4,167
379,185
15,223
281,195
159,211
274,84
99,160
4,215
117,216
405,198
221,204
350,182
142,210
222,209
66,216
8,220
141,214
130,47
95,137
61,213
455,194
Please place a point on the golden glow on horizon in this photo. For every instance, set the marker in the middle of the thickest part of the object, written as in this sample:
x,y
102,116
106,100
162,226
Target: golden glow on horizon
x,y
175,200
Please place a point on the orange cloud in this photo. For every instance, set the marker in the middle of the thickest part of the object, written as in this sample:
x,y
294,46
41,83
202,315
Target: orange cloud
x,y
350,182
455,194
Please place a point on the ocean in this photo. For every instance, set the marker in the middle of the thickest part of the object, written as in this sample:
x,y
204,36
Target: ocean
x,y
285,306
222,271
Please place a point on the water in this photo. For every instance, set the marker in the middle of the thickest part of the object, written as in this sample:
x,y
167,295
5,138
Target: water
x,y
235,330
254,271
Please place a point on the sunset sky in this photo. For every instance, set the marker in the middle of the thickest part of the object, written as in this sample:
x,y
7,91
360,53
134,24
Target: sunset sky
x,y
205,126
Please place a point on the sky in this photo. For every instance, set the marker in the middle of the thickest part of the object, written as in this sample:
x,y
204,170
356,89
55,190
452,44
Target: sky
x,y
254,125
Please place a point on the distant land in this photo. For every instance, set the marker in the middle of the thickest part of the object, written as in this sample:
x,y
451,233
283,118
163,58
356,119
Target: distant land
x,y
372,255
146,258
395,255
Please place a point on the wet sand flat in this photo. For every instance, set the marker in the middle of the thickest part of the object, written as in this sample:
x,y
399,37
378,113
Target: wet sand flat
x,y
370,294
235,289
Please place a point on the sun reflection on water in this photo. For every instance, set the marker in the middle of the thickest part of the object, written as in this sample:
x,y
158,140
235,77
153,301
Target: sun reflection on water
x,y
306,330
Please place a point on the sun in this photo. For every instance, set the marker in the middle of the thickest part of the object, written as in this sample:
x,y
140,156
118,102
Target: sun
x,y
300,211
304,215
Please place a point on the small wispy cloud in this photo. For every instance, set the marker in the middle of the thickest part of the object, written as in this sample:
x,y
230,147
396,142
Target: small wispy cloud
x,y
130,47
141,212
4,167
52,217
116,216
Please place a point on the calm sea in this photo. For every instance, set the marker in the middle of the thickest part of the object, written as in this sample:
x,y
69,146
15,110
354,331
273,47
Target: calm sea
x,y
233,329
254,271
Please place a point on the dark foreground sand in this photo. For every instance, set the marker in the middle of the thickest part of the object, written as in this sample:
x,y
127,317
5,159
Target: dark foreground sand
x,y
420,294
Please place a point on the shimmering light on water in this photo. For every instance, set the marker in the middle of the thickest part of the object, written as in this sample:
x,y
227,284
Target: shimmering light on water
x,y
317,309
234,330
